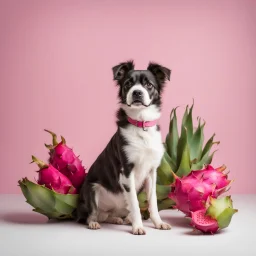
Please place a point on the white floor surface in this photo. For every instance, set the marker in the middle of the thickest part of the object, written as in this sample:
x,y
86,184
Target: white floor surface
x,y
25,233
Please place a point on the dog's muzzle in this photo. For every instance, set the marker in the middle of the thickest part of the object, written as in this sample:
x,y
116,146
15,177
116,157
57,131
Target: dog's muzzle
x,y
137,96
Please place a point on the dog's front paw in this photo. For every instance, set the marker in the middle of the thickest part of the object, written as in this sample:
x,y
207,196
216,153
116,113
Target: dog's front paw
x,y
138,231
163,226
94,225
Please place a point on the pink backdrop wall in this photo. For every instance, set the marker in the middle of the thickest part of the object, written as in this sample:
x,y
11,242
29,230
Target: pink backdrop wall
x,y
55,72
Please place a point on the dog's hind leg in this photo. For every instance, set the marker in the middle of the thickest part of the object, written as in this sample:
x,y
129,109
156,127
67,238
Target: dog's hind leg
x,y
114,220
110,218
92,219
87,209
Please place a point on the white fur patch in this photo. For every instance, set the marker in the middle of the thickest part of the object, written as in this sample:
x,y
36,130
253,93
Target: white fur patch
x,y
144,150
109,202
142,113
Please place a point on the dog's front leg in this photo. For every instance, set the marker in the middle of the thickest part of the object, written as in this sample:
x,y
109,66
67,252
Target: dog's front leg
x,y
152,200
133,204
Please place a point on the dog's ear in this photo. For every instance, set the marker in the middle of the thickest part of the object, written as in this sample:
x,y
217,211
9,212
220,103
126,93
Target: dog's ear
x,y
161,73
120,70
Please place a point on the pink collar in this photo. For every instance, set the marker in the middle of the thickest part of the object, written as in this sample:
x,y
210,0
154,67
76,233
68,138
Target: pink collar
x,y
142,124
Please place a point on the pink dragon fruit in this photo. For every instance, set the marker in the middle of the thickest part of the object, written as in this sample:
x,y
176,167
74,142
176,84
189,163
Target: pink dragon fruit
x,y
204,223
191,192
53,179
216,215
63,158
213,176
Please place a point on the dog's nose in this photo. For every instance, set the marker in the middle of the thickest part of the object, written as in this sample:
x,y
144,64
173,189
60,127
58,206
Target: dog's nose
x,y
137,93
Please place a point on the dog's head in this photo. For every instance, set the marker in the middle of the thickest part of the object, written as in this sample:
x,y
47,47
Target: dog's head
x,y
140,88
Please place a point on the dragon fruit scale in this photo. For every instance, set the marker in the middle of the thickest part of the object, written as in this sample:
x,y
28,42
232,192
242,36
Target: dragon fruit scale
x,y
63,158
215,216
53,179
191,192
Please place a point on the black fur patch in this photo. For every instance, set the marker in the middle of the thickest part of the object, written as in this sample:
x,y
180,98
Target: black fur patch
x,y
121,118
127,189
104,171
85,206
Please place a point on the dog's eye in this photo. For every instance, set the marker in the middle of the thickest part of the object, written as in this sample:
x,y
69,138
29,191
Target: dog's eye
x,y
128,84
149,85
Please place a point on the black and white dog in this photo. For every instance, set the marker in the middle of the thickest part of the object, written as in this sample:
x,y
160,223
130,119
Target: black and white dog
x,y
129,162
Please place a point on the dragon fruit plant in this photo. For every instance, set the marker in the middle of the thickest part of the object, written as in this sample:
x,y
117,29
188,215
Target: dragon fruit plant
x,y
216,215
186,180
184,151
55,193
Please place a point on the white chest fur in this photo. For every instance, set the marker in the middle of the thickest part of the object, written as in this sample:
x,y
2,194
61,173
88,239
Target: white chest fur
x,y
144,150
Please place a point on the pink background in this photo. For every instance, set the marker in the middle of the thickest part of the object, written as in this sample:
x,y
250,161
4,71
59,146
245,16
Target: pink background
x,y
55,73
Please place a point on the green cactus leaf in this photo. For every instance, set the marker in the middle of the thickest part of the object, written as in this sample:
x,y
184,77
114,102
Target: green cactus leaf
x,y
62,207
225,217
23,186
142,198
181,144
53,215
184,167
43,213
197,166
184,164
173,136
207,159
39,196
190,153
184,118
195,147
170,161
165,204
208,146
164,173
158,179
162,191
69,199
188,124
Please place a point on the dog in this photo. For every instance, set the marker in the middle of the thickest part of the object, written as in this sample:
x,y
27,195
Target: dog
x,y
129,162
